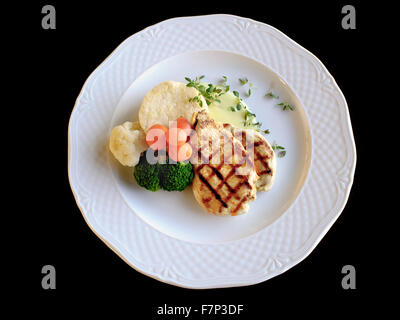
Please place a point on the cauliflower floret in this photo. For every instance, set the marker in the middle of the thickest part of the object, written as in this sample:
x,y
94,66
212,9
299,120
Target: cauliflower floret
x,y
126,143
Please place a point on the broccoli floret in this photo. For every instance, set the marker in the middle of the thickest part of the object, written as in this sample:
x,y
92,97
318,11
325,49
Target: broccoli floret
x,y
176,176
147,175
167,176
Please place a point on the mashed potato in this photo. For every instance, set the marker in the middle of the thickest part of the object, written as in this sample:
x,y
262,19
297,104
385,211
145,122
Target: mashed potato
x,y
167,102
126,143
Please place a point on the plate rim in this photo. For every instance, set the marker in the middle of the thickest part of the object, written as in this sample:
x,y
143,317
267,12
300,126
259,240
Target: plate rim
x,y
321,233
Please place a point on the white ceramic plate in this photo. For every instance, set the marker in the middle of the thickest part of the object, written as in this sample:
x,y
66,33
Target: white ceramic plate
x,y
167,235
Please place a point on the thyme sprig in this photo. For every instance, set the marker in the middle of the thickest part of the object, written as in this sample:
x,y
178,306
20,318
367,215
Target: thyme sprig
x,y
249,119
225,83
196,99
243,81
209,92
286,105
272,95
281,150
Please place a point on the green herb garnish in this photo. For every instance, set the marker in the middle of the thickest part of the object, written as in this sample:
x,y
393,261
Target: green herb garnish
x,y
249,118
248,115
285,106
243,81
281,154
233,109
236,93
271,95
257,124
249,92
196,99
282,151
209,92
225,83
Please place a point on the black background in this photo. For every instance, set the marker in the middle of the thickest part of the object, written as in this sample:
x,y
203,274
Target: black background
x,y
90,276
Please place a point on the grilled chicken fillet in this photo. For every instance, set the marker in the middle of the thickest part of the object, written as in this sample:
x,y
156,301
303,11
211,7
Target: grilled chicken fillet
x,y
225,177
260,152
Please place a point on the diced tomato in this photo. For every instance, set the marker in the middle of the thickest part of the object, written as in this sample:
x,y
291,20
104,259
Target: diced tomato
x,y
156,137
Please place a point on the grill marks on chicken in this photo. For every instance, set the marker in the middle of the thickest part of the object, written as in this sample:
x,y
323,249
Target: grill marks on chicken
x,y
223,186
261,154
225,175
